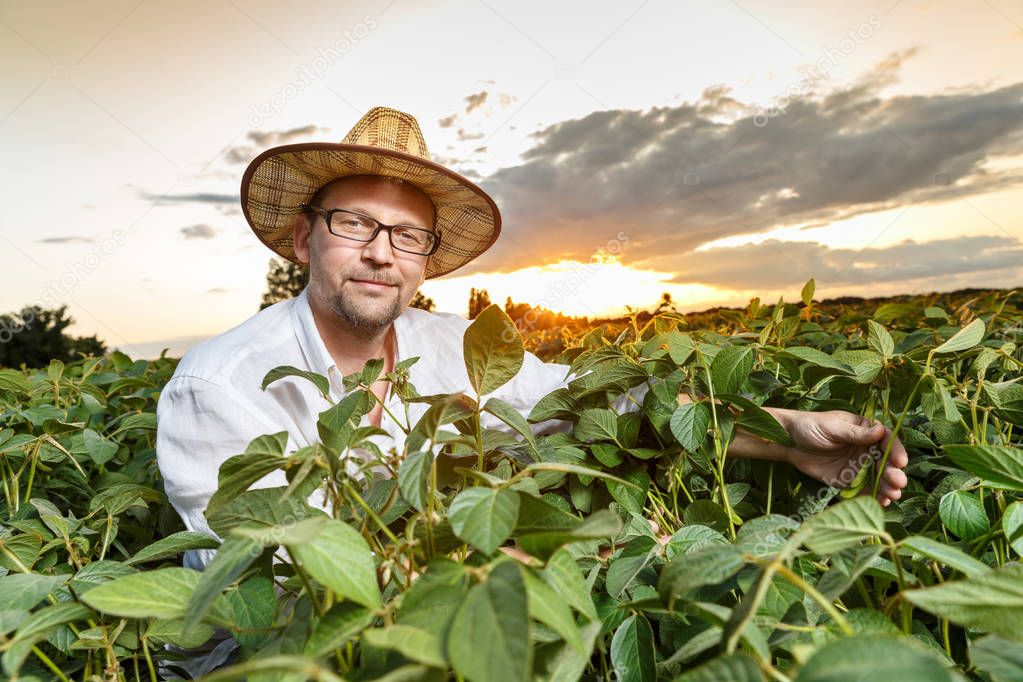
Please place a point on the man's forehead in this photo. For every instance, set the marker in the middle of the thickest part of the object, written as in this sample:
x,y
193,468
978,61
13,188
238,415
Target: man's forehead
x,y
363,193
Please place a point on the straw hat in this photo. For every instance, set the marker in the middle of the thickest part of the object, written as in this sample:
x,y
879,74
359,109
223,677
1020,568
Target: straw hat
x,y
384,142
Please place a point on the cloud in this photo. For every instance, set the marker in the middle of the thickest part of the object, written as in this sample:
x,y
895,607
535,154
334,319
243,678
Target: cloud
x,y
216,290
464,135
64,240
198,232
261,140
475,101
447,121
194,198
773,264
673,178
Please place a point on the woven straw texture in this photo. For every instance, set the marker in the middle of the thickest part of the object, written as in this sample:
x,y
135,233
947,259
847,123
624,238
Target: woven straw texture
x,y
384,142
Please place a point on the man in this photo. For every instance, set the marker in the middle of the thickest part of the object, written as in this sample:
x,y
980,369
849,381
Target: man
x,y
373,218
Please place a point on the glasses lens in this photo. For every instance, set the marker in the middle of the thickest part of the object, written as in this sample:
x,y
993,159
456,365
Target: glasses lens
x,y
412,239
351,225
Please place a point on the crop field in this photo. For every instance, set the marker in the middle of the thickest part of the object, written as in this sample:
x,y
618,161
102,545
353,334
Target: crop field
x,y
627,547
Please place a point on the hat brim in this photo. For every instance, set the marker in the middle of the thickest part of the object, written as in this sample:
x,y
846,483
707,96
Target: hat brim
x,y
278,180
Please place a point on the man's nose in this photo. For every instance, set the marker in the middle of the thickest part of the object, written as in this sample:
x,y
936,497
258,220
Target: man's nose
x,y
379,249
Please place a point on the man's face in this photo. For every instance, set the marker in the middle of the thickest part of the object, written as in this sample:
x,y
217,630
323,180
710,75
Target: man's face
x,y
366,284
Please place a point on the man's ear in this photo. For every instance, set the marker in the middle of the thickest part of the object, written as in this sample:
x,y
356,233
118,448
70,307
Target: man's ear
x,y
301,233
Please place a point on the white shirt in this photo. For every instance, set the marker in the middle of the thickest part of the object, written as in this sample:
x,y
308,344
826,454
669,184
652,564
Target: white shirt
x,y
212,406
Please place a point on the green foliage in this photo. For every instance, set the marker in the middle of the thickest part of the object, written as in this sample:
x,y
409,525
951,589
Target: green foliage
x,y
627,547
35,336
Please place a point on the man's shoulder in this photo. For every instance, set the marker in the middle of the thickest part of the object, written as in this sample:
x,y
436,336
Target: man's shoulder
x,y
420,319
217,358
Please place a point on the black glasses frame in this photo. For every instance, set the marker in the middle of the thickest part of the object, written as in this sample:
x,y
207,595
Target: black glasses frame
x,y
328,215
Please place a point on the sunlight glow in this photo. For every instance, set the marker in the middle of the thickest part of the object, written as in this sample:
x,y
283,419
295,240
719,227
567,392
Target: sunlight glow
x,y
599,288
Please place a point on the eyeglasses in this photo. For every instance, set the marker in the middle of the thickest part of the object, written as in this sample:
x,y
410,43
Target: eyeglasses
x,y
361,228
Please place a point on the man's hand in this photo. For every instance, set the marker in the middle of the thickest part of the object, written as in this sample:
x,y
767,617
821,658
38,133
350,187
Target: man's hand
x,y
832,446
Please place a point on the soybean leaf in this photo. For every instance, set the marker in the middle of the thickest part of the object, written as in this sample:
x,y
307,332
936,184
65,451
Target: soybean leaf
x,y
343,622
160,593
513,418
546,607
998,657
1000,465
26,590
1012,526
563,574
596,425
689,424
172,545
234,556
890,658
37,627
489,638
945,554
318,380
992,601
879,339
967,337
737,667
963,513
816,357
807,293
493,350
484,517
708,565
730,368
413,478
844,525
632,651
410,642
340,559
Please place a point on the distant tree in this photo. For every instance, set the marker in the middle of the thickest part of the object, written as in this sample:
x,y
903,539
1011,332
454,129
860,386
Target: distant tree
x,y
284,280
479,299
665,304
422,302
35,335
528,318
287,280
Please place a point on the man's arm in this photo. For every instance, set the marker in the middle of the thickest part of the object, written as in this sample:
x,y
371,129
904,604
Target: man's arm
x,y
200,425
829,446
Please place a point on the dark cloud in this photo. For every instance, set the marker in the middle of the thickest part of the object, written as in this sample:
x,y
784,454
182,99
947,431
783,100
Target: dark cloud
x,y
675,177
64,240
194,198
773,264
261,140
447,121
198,232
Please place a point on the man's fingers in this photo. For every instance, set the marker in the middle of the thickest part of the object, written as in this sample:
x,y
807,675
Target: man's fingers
x,y
895,477
860,434
890,491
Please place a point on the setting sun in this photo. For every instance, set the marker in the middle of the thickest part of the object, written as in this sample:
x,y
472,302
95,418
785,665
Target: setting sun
x,y
599,288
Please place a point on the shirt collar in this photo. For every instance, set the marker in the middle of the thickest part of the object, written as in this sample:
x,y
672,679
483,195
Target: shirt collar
x,y
318,358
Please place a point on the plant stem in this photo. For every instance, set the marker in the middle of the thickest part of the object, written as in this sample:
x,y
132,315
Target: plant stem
x,y
48,663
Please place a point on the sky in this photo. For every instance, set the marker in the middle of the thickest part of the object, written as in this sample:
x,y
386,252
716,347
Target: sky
x,y
716,151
